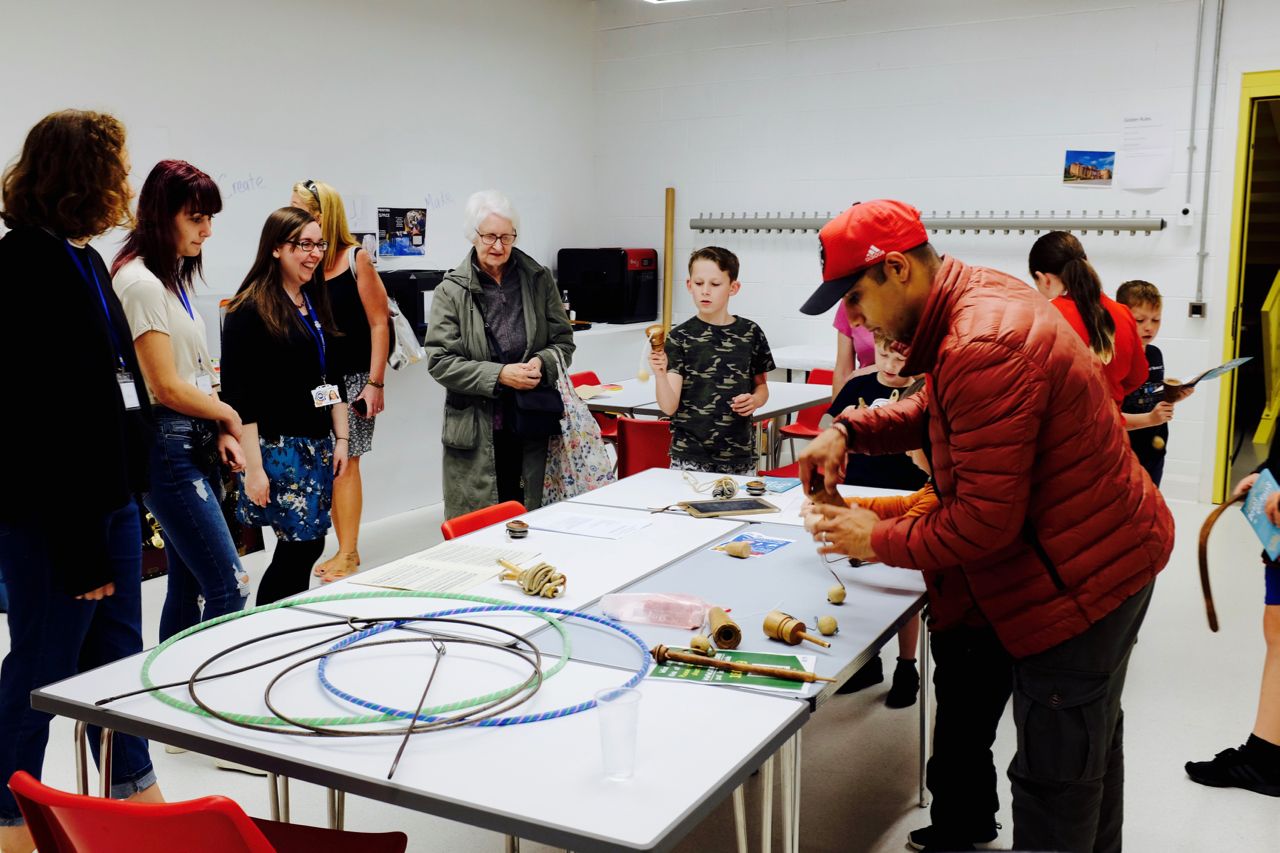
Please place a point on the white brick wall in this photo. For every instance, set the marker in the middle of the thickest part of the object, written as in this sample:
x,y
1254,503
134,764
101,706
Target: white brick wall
x,y
790,105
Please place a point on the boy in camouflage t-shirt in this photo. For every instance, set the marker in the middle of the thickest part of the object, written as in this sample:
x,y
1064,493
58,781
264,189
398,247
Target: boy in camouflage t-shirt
x,y
711,377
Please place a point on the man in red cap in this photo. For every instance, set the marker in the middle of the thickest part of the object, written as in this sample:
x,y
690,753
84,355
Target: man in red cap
x,y
1048,535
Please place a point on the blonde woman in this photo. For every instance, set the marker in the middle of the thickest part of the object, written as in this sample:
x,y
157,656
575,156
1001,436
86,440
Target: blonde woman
x,y
359,303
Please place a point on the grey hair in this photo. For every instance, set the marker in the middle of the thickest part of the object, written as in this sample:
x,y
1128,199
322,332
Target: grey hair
x,y
483,204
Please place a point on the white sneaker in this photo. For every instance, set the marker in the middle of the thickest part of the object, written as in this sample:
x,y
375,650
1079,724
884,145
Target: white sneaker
x,y
224,764
173,750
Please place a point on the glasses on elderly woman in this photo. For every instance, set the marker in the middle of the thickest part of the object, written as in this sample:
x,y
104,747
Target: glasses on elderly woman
x,y
490,239
310,245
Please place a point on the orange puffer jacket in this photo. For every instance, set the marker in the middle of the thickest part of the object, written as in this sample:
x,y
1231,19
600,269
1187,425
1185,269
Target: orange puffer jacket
x,y
1047,522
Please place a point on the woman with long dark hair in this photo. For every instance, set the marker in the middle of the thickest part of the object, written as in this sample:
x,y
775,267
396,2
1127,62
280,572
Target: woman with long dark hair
x,y
278,374
1063,274
70,537
360,310
154,275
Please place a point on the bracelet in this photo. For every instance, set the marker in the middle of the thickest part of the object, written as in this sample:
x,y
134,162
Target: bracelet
x,y
378,385
342,438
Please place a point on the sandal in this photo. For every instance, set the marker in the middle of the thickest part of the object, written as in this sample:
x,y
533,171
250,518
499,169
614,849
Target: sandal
x,y
344,565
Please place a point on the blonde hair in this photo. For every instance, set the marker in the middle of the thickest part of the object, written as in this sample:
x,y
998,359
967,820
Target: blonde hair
x,y
326,206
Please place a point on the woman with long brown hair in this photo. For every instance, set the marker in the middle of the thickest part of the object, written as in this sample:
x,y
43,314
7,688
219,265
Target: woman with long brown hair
x,y
154,275
1063,274
70,537
277,372
360,310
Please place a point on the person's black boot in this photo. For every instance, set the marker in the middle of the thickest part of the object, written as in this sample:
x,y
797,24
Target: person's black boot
x,y
935,839
872,672
1254,767
906,685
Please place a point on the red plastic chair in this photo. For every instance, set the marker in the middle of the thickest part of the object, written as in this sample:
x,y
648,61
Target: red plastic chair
x,y
481,518
806,425
792,470
608,423
643,444
60,822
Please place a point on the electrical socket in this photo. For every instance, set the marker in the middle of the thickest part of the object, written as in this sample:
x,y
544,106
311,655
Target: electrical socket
x,y
1196,310
1186,214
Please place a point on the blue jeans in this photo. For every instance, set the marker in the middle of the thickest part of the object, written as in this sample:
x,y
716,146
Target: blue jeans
x,y
4,595
54,636
202,558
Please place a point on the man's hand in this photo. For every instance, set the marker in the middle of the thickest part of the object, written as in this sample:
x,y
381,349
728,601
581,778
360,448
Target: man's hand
x,y
829,451
845,531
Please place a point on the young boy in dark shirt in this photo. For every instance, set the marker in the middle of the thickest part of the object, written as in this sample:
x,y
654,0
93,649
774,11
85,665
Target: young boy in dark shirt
x,y
711,375
1146,414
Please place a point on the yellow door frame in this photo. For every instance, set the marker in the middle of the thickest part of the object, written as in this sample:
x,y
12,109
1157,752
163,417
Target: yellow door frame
x,y
1254,85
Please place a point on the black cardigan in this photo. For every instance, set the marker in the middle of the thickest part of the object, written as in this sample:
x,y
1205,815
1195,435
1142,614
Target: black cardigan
x,y
74,453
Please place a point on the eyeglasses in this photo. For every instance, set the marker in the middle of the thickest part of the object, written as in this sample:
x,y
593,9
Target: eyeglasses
x,y
490,239
309,245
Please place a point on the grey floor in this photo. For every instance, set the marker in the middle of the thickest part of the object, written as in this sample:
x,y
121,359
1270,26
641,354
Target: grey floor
x,y
1190,694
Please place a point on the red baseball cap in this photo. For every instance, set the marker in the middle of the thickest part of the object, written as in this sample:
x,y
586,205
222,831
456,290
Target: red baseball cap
x,y
860,238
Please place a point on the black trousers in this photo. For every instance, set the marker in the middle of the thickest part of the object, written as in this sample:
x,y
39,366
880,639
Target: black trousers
x,y
1068,773
508,463
972,680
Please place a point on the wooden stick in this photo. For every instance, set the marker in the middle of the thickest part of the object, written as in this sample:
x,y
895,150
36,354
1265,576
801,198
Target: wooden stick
x,y
1203,554
662,655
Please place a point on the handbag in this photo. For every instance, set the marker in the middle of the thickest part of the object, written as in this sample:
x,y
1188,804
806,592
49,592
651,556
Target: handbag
x,y
537,412
577,459
402,345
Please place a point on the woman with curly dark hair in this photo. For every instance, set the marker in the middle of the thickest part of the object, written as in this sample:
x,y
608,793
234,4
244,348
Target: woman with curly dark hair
x,y
70,542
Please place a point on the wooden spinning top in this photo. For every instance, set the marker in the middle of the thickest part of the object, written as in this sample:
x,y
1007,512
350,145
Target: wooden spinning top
x,y
724,631
789,629
656,335
817,492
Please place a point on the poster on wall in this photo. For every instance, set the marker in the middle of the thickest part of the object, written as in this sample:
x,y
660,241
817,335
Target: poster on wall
x,y
1145,158
402,231
1088,168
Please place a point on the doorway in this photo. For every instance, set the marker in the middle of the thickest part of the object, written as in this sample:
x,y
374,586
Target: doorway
x,y
1250,404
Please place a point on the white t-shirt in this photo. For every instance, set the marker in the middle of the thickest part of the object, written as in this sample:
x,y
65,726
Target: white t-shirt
x,y
151,307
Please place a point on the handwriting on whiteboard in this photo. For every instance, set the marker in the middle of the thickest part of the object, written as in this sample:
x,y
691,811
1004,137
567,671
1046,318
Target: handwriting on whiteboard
x,y
232,187
435,201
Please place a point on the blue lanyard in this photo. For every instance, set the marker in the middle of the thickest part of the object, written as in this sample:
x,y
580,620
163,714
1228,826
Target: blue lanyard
x,y
106,312
186,303
313,326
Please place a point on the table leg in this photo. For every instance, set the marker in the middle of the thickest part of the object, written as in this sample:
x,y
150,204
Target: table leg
x,y
924,704
512,844
104,764
286,813
740,816
337,806
775,437
273,795
766,806
791,795
82,758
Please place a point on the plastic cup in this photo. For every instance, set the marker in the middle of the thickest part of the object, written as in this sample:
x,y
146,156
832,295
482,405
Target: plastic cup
x,y
618,709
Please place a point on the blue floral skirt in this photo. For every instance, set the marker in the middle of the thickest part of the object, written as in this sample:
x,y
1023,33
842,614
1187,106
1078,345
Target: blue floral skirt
x,y
300,471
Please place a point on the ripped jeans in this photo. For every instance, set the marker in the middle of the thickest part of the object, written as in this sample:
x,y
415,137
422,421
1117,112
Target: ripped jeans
x,y
184,498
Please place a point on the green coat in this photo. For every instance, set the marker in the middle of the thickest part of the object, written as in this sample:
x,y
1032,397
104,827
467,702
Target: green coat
x,y
459,358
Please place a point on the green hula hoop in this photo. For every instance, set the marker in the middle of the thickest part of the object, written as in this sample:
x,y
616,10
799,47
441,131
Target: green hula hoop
x,y
352,720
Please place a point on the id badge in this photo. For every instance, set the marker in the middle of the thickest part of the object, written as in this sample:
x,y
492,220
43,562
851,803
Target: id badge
x,y
205,383
128,391
325,395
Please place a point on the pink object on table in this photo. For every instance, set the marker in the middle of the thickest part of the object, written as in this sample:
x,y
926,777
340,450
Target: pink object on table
x,y
864,345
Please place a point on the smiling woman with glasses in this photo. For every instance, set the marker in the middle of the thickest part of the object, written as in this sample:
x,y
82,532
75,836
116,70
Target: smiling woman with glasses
x,y
360,310
279,373
497,322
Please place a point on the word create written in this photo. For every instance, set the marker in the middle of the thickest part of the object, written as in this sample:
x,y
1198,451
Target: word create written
x,y
232,187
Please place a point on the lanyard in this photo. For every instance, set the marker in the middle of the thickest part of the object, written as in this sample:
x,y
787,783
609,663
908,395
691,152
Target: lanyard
x,y
317,334
186,302
106,312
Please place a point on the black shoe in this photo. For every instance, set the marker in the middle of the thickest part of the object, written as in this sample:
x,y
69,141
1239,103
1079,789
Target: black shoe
x,y
1231,768
933,839
906,685
872,672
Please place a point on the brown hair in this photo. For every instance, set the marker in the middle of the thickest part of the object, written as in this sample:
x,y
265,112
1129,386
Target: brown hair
x,y
263,287
1139,292
722,258
1061,254
71,176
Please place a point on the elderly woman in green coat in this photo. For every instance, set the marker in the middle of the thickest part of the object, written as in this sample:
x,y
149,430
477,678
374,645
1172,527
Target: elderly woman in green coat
x,y
496,323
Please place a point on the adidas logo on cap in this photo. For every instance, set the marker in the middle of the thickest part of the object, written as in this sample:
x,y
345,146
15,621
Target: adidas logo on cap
x,y
874,252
